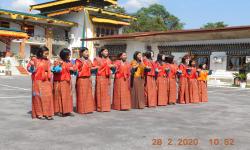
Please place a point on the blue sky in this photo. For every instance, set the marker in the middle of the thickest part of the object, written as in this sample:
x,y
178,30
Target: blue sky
x,y
194,13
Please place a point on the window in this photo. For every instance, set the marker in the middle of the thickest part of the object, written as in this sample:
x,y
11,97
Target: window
x,y
98,32
106,30
4,24
235,63
29,29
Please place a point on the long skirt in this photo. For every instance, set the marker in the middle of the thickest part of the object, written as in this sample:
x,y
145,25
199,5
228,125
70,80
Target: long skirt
x,y
172,92
202,85
151,92
162,92
103,98
42,99
183,91
63,98
84,98
121,95
193,90
137,93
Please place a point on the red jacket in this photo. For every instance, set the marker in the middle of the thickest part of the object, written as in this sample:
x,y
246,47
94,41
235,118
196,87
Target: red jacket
x,y
152,65
193,74
173,70
64,75
103,66
183,68
84,67
122,69
41,69
161,69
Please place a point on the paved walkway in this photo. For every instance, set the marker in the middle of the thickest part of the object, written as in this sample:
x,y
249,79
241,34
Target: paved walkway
x,y
226,117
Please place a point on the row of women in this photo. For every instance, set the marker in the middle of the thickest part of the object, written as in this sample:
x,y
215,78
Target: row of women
x,y
139,84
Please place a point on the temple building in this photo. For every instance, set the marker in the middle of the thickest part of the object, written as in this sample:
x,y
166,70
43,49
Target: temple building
x,y
224,50
60,24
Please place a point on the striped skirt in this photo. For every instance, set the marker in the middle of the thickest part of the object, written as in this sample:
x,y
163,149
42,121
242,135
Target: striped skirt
x,y
42,99
63,98
137,93
121,95
84,98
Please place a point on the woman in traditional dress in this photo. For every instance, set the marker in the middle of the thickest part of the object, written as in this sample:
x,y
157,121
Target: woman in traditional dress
x,y
183,93
161,81
121,94
202,82
84,97
63,97
42,96
137,81
172,69
192,82
150,83
104,65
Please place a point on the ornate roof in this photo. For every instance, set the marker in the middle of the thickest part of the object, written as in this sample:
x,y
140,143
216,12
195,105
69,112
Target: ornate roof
x,y
35,18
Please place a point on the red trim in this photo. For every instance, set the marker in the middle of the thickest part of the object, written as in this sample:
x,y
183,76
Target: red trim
x,y
172,32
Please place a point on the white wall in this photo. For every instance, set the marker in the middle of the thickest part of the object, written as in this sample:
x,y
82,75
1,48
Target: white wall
x,y
39,31
14,47
133,46
76,31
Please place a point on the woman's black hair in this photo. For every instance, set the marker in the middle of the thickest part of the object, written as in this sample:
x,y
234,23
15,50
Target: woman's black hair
x,y
39,53
159,57
64,53
100,52
136,54
201,65
82,49
169,59
190,62
148,54
120,54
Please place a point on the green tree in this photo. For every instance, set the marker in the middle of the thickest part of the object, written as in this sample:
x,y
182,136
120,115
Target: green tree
x,y
215,25
154,18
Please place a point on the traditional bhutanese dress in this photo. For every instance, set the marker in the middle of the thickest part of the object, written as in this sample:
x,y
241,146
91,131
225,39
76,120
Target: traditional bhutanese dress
x,y
42,96
183,94
121,94
85,101
202,85
137,85
63,98
102,91
150,84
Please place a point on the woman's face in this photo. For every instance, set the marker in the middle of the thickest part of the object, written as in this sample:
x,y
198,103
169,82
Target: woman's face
x,y
139,56
124,57
163,58
68,56
105,53
45,54
85,54
187,61
204,66
152,54
193,63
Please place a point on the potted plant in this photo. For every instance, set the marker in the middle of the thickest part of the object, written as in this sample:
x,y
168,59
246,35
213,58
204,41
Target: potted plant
x,y
243,80
236,79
